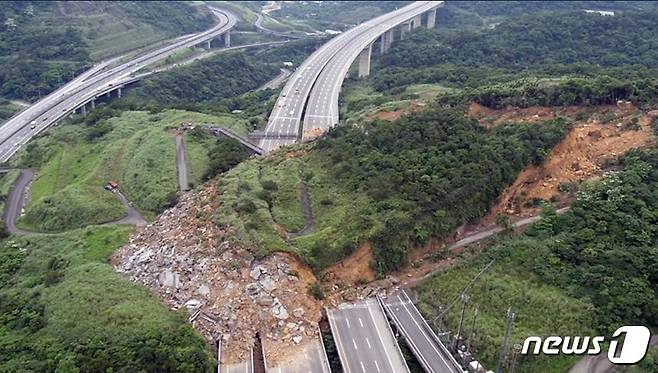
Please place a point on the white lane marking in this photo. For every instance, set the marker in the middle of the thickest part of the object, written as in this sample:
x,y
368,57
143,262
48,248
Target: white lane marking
x,y
377,366
368,342
404,305
348,322
354,343
380,338
339,344
411,342
362,367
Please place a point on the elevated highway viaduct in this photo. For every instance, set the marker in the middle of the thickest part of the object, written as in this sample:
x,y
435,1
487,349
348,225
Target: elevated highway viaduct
x,y
312,91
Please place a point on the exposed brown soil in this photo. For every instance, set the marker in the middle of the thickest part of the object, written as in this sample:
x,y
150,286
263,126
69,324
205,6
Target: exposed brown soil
x,y
581,156
355,269
415,105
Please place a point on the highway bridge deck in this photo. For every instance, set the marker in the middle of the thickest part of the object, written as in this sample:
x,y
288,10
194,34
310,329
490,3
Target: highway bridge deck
x,y
364,340
426,346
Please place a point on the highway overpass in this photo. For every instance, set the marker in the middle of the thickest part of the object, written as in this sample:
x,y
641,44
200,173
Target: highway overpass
x,y
312,91
95,82
424,343
364,340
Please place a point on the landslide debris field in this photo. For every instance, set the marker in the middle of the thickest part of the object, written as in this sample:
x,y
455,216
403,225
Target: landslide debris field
x,y
193,264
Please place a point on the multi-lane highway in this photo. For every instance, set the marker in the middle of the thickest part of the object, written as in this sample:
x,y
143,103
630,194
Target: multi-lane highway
x,y
364,340
97,81
429,351
322,110
330,62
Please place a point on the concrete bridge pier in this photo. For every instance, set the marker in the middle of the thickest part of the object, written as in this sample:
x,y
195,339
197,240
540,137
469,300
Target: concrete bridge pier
x,y
208,44
83,109
119,92
431,18
405,28
418,21
227,39
385,41
388,40
93,104
364,61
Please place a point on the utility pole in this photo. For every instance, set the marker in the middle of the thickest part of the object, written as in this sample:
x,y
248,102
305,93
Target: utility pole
x,y
465,298
516,350
472,335
510,319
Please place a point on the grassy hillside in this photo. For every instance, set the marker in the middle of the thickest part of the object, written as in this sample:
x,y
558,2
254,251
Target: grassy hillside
x,y
74,161
64,309
7,110
117,26
334,14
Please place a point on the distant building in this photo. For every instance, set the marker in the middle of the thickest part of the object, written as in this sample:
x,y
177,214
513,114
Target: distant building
x,y
601,12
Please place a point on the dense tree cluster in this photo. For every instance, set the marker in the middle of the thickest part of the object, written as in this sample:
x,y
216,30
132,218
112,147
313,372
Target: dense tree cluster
x,y
553,45
62,311
216,78
34,60
430,172
575,91
540,39
602,250
477,14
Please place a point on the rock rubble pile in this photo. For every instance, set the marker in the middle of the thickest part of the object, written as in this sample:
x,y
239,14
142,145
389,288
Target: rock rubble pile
x,y
197,266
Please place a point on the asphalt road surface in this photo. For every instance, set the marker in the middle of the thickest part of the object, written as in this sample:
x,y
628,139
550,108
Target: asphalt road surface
x,y
16,200
364,339
133,217
430,353
95,82
181,164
